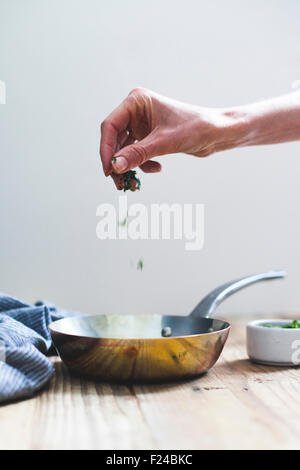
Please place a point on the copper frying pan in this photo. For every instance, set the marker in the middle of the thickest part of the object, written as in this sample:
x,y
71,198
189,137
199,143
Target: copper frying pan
x,y
140,348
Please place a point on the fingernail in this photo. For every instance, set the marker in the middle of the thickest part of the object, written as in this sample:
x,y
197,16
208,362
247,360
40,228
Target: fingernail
x,y
120,164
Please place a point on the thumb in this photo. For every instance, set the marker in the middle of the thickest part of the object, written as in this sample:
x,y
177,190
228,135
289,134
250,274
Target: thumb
x,y
135,155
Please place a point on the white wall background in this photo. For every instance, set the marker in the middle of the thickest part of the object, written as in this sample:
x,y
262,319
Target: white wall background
x,y
66,64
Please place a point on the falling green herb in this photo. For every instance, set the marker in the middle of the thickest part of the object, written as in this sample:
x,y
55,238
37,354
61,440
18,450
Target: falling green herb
x,y
124,222
294,324
140,265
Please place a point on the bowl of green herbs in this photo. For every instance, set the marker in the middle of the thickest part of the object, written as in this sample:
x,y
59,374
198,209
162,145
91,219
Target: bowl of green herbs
x,y
274,342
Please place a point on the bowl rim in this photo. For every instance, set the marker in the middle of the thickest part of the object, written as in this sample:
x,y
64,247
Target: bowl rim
x,y
259,324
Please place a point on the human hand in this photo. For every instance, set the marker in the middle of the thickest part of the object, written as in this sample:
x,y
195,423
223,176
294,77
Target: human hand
x,y
146,125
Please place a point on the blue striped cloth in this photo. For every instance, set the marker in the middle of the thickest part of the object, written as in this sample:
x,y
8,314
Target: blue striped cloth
x,y
24,341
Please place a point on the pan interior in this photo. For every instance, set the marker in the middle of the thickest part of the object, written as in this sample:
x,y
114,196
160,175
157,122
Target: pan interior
x,y
136,326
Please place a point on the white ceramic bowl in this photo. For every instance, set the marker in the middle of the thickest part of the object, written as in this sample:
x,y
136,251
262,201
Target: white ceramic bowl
x,y
273,346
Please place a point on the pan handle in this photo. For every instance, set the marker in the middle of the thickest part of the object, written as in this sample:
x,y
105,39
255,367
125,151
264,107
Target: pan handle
x,y
208,305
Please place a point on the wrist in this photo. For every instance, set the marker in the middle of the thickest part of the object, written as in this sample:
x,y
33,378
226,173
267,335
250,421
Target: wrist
x,y
222,129
237,128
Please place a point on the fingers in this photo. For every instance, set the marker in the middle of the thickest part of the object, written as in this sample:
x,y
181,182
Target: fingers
x,y
151,167
119,149
118,181
148,167
137,154
122,140
111,127
107,146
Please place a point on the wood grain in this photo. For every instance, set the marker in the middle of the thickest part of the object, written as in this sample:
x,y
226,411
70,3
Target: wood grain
x,y
236,405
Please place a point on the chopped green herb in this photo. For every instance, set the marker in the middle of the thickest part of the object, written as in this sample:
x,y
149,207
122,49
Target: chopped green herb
x,y
124,222
138,183
269,325
294,324
130,181
114,159
140,264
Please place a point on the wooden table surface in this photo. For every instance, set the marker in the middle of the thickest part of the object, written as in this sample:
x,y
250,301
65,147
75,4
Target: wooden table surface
x,y
236,405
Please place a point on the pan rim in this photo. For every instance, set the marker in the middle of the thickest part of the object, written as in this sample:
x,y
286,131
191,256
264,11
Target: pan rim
x,y
106,338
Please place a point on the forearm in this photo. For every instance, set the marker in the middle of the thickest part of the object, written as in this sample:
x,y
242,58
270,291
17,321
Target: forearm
x,y
268,122
148,125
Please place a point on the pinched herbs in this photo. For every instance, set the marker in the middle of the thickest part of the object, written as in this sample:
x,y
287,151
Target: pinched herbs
x,y
130,181
294,324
